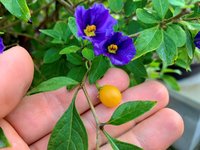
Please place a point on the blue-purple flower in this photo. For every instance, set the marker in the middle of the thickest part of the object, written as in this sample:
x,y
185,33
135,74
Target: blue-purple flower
x,y
197,40
1,45
94,23
117,47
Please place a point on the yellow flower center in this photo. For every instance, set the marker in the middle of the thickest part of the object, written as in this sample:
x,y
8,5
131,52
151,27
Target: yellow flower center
x,y
112,48
90,30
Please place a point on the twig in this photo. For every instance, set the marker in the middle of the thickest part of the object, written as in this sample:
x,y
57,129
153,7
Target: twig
x,y
80,2
94,115
91,107
134,35
70,2
67,6
190,19
23,34
175,18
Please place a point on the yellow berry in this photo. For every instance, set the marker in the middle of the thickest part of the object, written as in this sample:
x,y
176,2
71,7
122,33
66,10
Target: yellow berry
x,y
110,96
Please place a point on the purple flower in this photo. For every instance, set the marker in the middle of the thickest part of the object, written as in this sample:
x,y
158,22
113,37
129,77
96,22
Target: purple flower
x,y
117,47
1,45
94,23
197,40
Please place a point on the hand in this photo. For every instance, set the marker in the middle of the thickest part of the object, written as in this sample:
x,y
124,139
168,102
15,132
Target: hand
x,y
28,121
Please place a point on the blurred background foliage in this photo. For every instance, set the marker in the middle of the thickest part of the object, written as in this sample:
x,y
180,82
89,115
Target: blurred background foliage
x,y
163,31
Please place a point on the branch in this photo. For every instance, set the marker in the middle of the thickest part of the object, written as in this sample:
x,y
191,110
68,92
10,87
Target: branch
x,y
176,18
134,35
24,34
67,6
190,19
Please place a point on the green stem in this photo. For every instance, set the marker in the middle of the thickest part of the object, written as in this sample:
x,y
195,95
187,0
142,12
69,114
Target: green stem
x,y
134,35
97,86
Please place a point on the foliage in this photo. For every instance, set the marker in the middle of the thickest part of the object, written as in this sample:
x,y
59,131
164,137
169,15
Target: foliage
x,y
3,140
161,31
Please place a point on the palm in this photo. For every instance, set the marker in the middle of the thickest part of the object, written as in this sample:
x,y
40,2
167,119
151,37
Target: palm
x,y
29,125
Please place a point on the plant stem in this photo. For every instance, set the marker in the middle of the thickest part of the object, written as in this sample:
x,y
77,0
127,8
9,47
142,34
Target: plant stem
x,y
190,19
94,115
175,18
66,5
23,34
134,35
90,104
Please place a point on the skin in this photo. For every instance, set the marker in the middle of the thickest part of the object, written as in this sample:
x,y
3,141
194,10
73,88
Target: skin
x,y
28,120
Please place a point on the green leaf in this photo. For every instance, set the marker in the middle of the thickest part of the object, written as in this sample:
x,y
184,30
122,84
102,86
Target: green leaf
x,y
75,59
88,53
51,56
73,27
171,82
77,73
161,6
50,32
149,40
133,27
138,70
53,84
116,5
146,17
119,145
180,3
168,70
70,49
3,140
129,111
99,66
60,32
189,44
69,132
183,60
130,6
167,50
177,34
17,8
191,25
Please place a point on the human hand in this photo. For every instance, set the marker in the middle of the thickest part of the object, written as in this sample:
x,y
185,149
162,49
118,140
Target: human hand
x,y
28,120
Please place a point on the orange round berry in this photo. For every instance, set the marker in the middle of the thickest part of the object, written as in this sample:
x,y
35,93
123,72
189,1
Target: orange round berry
x,y
110,96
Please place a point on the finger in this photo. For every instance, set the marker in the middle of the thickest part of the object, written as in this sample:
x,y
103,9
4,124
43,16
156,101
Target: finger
x,y
157,132
41,144
151,90
43,110
16,76
15,140
104,113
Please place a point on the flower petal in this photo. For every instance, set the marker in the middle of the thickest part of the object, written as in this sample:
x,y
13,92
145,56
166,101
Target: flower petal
x,y
1,46
197,40
103,19
97,15
98,50
81,24
125,52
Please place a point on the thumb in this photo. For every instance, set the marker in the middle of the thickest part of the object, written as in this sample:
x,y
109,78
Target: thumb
x,y
16,70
